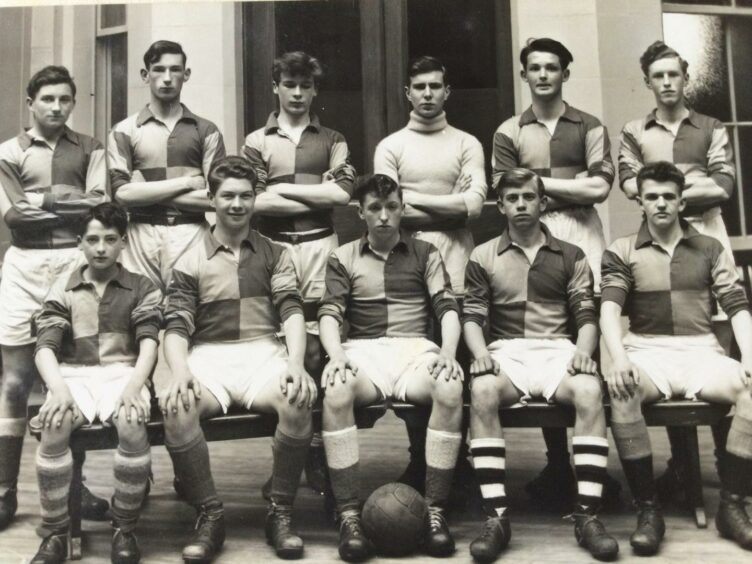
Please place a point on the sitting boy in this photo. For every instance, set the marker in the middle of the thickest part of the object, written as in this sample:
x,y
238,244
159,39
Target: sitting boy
x,y
97,338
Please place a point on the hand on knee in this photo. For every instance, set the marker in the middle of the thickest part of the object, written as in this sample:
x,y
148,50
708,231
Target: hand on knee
x,y
298,421
131,434
484,396
588,397
447,393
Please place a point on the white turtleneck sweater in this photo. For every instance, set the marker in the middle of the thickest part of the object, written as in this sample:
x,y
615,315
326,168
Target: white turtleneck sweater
x,y
429,155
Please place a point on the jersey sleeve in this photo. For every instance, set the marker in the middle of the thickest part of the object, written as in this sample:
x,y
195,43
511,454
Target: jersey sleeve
x,y
284,284
580,292
181,300
253,151
727,287
505,155
385,160
337,288
477,291
67,201
213,149
146,317
721,159
630,153
439,285
341,169
53,321
598,154
474,164
119,158
617,279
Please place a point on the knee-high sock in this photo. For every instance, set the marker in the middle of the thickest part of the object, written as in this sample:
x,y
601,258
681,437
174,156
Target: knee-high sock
x,y
737,466
131,470
193,469
54,475
342,457
289,459
590,461
12,431
633,443
489,461
442,448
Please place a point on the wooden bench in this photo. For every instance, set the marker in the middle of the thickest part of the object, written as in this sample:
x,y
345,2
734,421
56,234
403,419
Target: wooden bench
x,y
236,424
240,424
684,415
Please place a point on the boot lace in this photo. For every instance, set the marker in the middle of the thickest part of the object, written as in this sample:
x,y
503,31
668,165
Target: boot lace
x,y
436,520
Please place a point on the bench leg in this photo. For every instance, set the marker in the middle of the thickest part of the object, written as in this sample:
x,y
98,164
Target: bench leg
x,y
74,505
694,477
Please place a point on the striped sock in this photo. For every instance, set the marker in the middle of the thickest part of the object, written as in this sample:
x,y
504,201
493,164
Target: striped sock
x,y
54,475
12,431
590,461
489,461
289,455
342,457
442,448
131,470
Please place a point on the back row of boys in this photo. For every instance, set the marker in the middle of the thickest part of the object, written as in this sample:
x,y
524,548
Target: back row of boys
x,y
160,161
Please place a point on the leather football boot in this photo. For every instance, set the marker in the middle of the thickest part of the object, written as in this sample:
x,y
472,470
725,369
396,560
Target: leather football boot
x,y
280,533
492,540
650,528
591,534
438,540
732,520
208,538
124,548
354,546
8,507
53,550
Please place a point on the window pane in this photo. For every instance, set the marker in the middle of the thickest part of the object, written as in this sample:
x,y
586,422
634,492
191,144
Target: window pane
x,y
744,3
740,30
745,160
112,15
119,78
701,41
460,34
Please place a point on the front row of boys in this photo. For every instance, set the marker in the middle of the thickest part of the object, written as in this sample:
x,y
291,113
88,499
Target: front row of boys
x,y
97,341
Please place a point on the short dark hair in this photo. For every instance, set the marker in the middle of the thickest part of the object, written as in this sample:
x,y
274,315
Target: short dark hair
x,y
108,214
419,65
231,167
51,74
378,185
660,171
519,177
297,63
546,45
163,47
659,50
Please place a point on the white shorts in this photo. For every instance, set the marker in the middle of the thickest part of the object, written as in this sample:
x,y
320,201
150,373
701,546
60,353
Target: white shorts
x,y
711,224
310,260
28,275
97,389
153,250
536,367
580,226
390,362
679,365
455,248
237,372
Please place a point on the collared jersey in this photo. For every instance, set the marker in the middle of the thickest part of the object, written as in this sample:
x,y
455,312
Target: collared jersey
x,y
525,300
389,297
83,328
579,144
217,296
700,147
671,295
141,148
321,155
72,178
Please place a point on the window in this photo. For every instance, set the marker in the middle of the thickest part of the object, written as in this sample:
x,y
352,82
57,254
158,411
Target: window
x,y
111,102
715,37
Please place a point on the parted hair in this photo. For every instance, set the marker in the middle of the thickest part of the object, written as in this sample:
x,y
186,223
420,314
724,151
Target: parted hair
x,y
659,50
546,45
108,214
426,63
51,74
297,63
163,47
519,177
660,171
379,185
231,167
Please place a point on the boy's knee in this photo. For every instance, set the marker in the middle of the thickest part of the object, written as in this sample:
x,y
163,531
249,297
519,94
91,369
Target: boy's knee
x,y
340,396
447,394
484,395
587,393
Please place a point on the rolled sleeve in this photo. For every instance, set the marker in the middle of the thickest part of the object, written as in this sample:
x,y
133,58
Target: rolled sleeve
x,y
146,317
337,288
727,287
53,321
477,292
616,276
284,285
439,285
505,155
253,151
181,303
580,293
630,154
340,167
119,159
598,154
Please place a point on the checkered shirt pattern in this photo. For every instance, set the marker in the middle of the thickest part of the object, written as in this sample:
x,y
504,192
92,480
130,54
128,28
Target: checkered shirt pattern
x,y
216,296
526,300
84,329
72,178
671,295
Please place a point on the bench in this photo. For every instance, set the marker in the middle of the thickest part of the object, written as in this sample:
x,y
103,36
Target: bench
x,y
240,424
